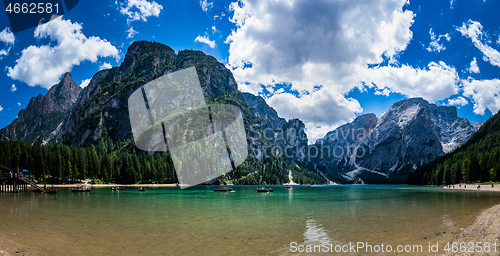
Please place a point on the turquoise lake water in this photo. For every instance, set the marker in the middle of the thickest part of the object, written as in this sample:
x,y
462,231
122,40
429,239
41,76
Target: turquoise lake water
x,y
199,221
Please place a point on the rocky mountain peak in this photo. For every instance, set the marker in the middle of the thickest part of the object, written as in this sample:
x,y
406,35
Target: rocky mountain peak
x,y
147,59
139,48
66,88
44,113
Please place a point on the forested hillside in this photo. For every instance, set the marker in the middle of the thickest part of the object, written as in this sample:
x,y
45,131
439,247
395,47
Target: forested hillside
x,y
477,160
123,163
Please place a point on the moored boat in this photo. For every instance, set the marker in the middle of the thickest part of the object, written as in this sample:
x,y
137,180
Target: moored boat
x,y
286,186
225,189
142,189
264,189
50,191
80,190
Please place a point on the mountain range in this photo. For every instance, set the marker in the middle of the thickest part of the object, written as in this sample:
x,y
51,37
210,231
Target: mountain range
x,y
368,150
383,150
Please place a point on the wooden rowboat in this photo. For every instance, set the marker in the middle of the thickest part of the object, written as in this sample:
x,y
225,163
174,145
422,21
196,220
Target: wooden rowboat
x,y
80,190
286,186
265,190
50,191
143,189
120,188
223,189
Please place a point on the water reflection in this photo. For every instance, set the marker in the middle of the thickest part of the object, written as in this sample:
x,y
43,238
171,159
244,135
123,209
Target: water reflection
x,y
315,233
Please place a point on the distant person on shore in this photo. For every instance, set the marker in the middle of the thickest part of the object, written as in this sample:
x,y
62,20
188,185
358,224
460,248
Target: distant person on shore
x,y
11,174
478,187
491,185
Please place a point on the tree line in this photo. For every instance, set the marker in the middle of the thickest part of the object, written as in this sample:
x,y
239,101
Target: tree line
x,y
106,162
122,162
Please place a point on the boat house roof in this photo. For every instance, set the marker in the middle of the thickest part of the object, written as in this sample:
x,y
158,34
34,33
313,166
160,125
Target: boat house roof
x,y
4,169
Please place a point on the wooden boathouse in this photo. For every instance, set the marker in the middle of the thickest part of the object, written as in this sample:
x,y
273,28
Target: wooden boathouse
x,y
13,182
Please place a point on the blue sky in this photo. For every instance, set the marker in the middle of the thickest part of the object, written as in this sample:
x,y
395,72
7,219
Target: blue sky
x,y
324,62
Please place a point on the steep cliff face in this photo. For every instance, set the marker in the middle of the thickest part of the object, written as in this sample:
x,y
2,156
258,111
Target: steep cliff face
x,y
102,109
271,134
410,133
266,114
44,113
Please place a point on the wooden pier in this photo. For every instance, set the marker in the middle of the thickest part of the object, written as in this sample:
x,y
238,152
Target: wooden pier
x,y
11,182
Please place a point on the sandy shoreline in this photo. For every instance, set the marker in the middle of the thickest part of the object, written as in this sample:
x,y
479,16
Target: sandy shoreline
x,y
8,247
485,229
474,187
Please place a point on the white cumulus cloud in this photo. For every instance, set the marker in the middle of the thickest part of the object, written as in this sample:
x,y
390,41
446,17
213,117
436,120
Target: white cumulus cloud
x,y
8,38
105,65
44,65
435,44
437,81
131,32
205,5
459,101
385,92
13,88
139,9
473,66
85,83
474,31
1,108
485,94
205,40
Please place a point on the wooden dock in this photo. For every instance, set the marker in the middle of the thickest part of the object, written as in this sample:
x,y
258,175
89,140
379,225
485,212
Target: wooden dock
x,y
11,182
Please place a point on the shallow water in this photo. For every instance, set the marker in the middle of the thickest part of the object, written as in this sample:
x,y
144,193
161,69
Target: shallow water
x,y
199,221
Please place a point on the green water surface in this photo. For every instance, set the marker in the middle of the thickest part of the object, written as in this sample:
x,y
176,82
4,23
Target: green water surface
x,y
199,221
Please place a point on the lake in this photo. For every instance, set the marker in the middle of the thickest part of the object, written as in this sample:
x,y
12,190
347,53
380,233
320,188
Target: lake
x,y
199,221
